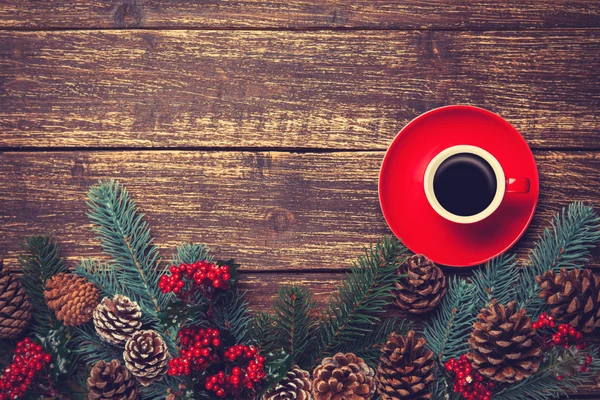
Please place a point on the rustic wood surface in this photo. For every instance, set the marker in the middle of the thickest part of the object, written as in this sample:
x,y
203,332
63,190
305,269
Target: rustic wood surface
x,y
378,14
334,90
259,127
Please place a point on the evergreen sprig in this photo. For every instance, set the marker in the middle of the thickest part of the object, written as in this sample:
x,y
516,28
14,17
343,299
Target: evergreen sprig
x,y
295,320
544,385
125,236
189,253
496,280
230,313
448,329
356,307
368,347
262,332
574,232
40,260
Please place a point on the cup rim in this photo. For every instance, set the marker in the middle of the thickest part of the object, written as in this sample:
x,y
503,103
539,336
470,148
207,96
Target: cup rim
x,y
435,163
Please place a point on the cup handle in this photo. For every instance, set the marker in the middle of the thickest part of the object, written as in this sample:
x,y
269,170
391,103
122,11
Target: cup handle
x,y
520,185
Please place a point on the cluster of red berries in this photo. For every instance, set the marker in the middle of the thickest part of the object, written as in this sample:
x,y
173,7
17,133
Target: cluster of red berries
x,y
471,385
199,273
198,349
249,376
29,359
564,334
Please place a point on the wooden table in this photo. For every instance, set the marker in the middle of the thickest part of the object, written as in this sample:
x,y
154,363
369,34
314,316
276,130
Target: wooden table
x,y
259,127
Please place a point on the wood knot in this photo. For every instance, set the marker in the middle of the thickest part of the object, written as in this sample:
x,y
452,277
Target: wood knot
x,y
280,219
128,15
78,172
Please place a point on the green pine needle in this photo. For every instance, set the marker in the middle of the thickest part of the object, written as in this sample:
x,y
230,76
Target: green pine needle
x,y
230,313
447,332
125,236
263,331
189,253
368,347
40,260
497,280
567,244
544,385
358,304
295,319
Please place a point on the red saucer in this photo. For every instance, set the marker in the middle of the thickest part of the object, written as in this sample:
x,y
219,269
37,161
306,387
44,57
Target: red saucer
x,y
411,217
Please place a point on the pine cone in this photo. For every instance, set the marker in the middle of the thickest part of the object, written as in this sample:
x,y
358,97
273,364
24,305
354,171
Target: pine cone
x,y
423,287
111,381
504,346
574,297
72,298
406,369
117,319
15,308
296,385
343,377
147,357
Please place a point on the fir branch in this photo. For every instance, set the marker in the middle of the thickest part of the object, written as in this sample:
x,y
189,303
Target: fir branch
x,y
189,253
295,320
497,280
544,385
263,330
40,260
91,349
567,244
230,313
449,328
356,307
368,347
125,236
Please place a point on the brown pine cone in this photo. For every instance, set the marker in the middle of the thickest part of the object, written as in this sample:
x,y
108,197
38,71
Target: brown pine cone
x,y
423,287
406,369
72,298
343,377
111,381
574,297
504,345
296,385
15,308
117,319
147,357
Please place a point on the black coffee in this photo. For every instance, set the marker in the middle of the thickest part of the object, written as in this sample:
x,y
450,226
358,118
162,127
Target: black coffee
x,y
464,184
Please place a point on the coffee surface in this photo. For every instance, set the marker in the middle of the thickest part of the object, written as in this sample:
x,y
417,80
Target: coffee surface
x,y
464,184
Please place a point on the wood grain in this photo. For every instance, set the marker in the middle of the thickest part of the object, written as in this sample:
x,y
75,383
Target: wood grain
x,y
388,14
288,90
273,211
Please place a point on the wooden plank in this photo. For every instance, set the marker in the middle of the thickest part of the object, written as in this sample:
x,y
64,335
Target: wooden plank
x,y
272,211
288,90
390,14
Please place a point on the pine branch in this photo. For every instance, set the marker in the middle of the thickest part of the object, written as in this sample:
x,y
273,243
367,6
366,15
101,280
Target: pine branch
x,y
189,253
567,244
368,347
497,280
544,385
449,328
40,261
125,236
263,330
230,313
295,320
91,349
358,304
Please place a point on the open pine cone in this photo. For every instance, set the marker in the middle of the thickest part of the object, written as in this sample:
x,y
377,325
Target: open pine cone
x,y
406,369
111,381
117,319
15,308
147,357
423,287
72,298
573,297
343,377
296,385
504,345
